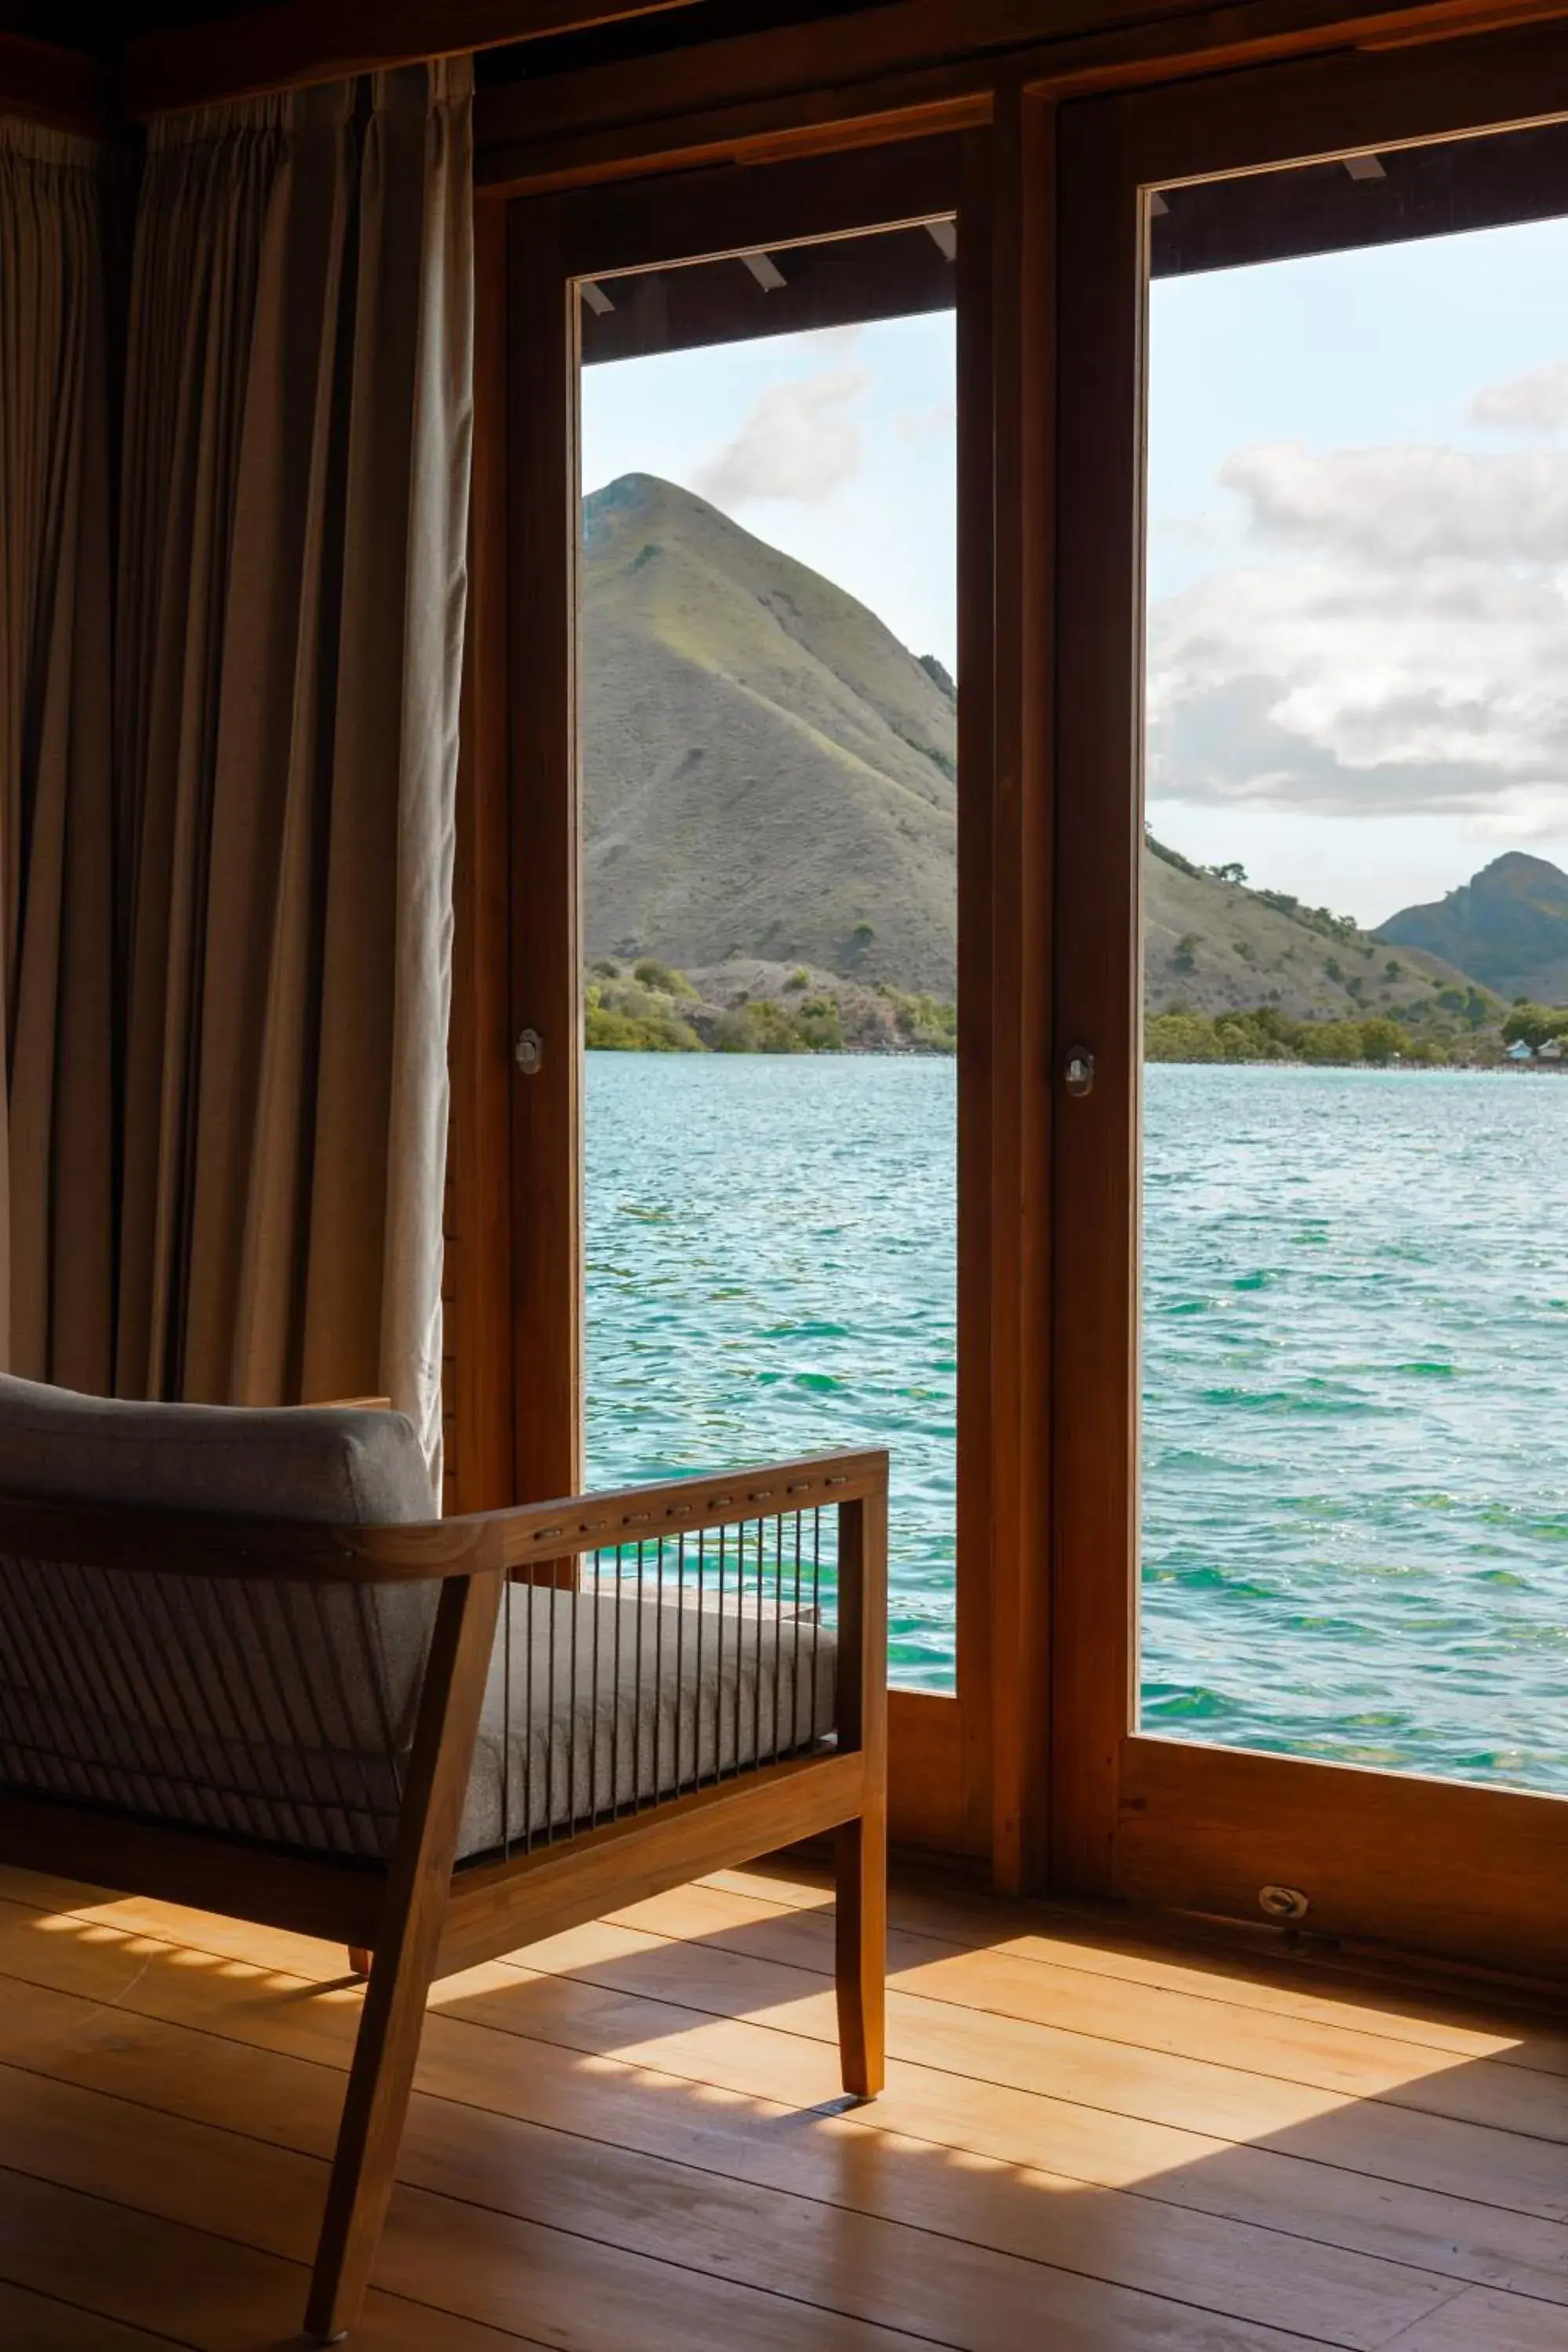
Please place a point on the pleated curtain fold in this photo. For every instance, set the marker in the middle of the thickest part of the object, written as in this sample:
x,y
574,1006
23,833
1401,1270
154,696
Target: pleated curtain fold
x,y
58,835
288,638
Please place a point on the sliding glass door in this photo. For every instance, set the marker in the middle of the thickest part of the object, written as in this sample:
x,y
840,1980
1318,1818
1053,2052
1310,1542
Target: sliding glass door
x,y
1313,1586
761,1206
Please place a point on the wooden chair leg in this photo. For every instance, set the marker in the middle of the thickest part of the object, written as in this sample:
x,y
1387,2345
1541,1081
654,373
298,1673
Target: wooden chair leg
x,y
359,1960
861,1952
407,1945
365,2163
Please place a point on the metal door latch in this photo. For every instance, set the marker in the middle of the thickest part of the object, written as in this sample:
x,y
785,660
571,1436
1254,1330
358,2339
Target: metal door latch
x,y
529,1051
1077,1070
1283,1903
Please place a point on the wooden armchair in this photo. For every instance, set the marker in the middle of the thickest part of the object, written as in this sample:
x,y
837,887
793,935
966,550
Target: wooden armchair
x,y
431,1740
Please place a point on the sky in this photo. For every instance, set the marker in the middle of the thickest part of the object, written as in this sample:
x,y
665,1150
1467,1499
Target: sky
x,y
1358,565
838,447
1358,540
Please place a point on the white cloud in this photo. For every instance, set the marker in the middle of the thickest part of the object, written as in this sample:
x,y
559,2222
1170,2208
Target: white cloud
x,y
799,442
1534,401
927,424
1407,504
1397,641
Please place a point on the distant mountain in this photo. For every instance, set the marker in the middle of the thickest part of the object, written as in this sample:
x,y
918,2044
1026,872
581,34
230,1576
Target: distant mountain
x,y
1211,945
769,786
767,772
1508,926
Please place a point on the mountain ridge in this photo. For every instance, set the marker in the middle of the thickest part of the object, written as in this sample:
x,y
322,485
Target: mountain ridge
x,y
767,772
770,790
1508,926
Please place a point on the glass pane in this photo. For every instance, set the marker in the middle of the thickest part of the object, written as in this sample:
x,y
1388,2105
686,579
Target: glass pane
x,y
770,743
1355,1091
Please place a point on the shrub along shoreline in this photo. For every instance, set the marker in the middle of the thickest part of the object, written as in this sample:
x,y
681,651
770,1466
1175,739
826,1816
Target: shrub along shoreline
x,y
655,1009
1270,1036
652,1008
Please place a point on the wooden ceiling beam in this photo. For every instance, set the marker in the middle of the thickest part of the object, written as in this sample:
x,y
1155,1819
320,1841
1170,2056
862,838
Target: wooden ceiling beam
x,y
765,94
864,45
64,88
297,42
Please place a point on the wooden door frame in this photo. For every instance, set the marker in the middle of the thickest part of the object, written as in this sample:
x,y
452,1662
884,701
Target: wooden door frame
x,y
967,1772
1475,1874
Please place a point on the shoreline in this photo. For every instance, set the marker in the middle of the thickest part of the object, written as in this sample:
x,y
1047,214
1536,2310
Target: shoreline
x,y
1164,1061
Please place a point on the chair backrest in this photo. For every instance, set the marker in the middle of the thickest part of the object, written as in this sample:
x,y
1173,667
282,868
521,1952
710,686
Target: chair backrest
x,y
269,1707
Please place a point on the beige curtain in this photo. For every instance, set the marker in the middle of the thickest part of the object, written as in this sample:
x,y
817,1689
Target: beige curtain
x,y
290,613
57,833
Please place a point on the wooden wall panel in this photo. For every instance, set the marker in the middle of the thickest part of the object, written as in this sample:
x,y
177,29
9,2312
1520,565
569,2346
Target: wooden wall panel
x,y
928,1778
60,88
293,43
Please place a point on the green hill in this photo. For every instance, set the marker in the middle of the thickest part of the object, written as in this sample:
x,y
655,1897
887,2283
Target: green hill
x,y
771,808
767,772
1508,925
1215,946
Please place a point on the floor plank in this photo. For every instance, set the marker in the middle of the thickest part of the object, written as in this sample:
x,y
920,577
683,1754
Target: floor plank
x,y
1320,2053
486,2266
1309,2198
1525,2171
941,2248
127,2267
1485,2321
913,2266
1307,1981
43,2323
630,2137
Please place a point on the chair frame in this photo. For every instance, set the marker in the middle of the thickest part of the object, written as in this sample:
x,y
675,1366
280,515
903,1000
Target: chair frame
x,y
422,1917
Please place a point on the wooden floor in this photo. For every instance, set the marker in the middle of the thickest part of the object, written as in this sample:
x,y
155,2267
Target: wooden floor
x,y
628,2140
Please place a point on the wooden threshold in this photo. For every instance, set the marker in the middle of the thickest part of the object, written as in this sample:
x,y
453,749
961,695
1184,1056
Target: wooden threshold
x,y
1433,1865
629,2137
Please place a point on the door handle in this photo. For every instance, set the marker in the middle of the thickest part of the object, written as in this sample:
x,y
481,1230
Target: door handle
x,y
1077,1070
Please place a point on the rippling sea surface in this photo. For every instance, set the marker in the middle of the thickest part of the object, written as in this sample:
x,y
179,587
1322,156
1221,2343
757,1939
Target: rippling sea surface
x,y
1355,1455
1355,1370
771,1271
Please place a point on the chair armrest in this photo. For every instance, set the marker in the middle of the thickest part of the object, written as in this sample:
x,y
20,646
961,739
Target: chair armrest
x,y
526,1535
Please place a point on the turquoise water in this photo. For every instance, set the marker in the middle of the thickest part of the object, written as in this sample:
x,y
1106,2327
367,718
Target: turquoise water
x,y
1355,1505
1355,1493
771,1271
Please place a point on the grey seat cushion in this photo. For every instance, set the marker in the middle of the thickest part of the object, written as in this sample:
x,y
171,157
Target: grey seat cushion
x,y
283,1710
269,1710
338,1465
613,1704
